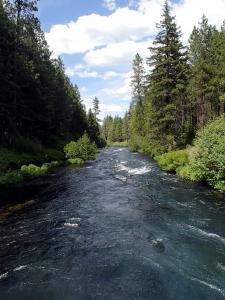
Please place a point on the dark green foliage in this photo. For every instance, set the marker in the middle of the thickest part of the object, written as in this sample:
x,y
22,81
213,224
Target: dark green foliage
x,y
53,155
26,145
94,129
37,100
83,149
11,178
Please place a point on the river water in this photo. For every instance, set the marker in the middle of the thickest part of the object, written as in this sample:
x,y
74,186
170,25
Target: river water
x,y
117,228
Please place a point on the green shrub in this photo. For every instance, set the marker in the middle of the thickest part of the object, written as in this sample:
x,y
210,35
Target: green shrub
x,y
190,173
208,159
76,161
83,148
173,160
11,178
32,171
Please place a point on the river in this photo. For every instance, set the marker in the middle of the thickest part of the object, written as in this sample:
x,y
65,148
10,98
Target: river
x,y
117,228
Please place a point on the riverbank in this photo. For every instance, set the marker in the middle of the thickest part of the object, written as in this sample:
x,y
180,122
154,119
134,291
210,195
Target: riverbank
x,y
203,161
19,167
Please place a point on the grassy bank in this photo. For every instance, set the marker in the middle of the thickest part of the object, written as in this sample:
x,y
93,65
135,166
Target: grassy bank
x,y
19,167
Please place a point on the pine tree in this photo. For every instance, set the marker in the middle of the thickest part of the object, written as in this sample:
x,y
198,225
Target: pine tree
x,y
168,80
126,127
138,94
96,108
204,67
138,80
93,128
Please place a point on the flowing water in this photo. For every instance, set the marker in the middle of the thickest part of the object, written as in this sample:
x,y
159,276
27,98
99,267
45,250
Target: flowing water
x,y
117,228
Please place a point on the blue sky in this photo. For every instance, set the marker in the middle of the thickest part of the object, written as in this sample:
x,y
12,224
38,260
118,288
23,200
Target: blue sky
x,y
97,40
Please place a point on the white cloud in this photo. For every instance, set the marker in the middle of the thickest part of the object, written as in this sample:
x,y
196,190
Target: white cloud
x,y
117,54
112,109
84,71
85,74
121,91
189,13
92,31
109,4
127,24
106,108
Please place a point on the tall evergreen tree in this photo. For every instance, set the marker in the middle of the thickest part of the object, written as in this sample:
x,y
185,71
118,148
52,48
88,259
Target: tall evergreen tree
x,y
203,89
138,80
168,80
138,94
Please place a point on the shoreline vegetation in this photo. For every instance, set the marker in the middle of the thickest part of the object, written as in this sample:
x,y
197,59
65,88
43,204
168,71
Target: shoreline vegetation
x,y
18,168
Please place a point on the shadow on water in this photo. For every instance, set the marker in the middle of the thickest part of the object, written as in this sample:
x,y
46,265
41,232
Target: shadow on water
x,y
117,228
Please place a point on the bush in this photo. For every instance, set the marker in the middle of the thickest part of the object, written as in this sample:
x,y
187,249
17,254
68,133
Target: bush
x,y
190,173
83,149
207,162
173,161
11,178
76,161
32,171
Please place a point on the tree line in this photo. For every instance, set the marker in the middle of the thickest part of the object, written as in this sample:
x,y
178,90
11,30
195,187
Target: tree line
x,y
38,102
183,89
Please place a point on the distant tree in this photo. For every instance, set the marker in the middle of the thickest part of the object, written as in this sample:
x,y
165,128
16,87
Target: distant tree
x,y
96,108
138,80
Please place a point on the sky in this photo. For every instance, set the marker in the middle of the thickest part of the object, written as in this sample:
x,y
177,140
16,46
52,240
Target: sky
x,y
98,39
